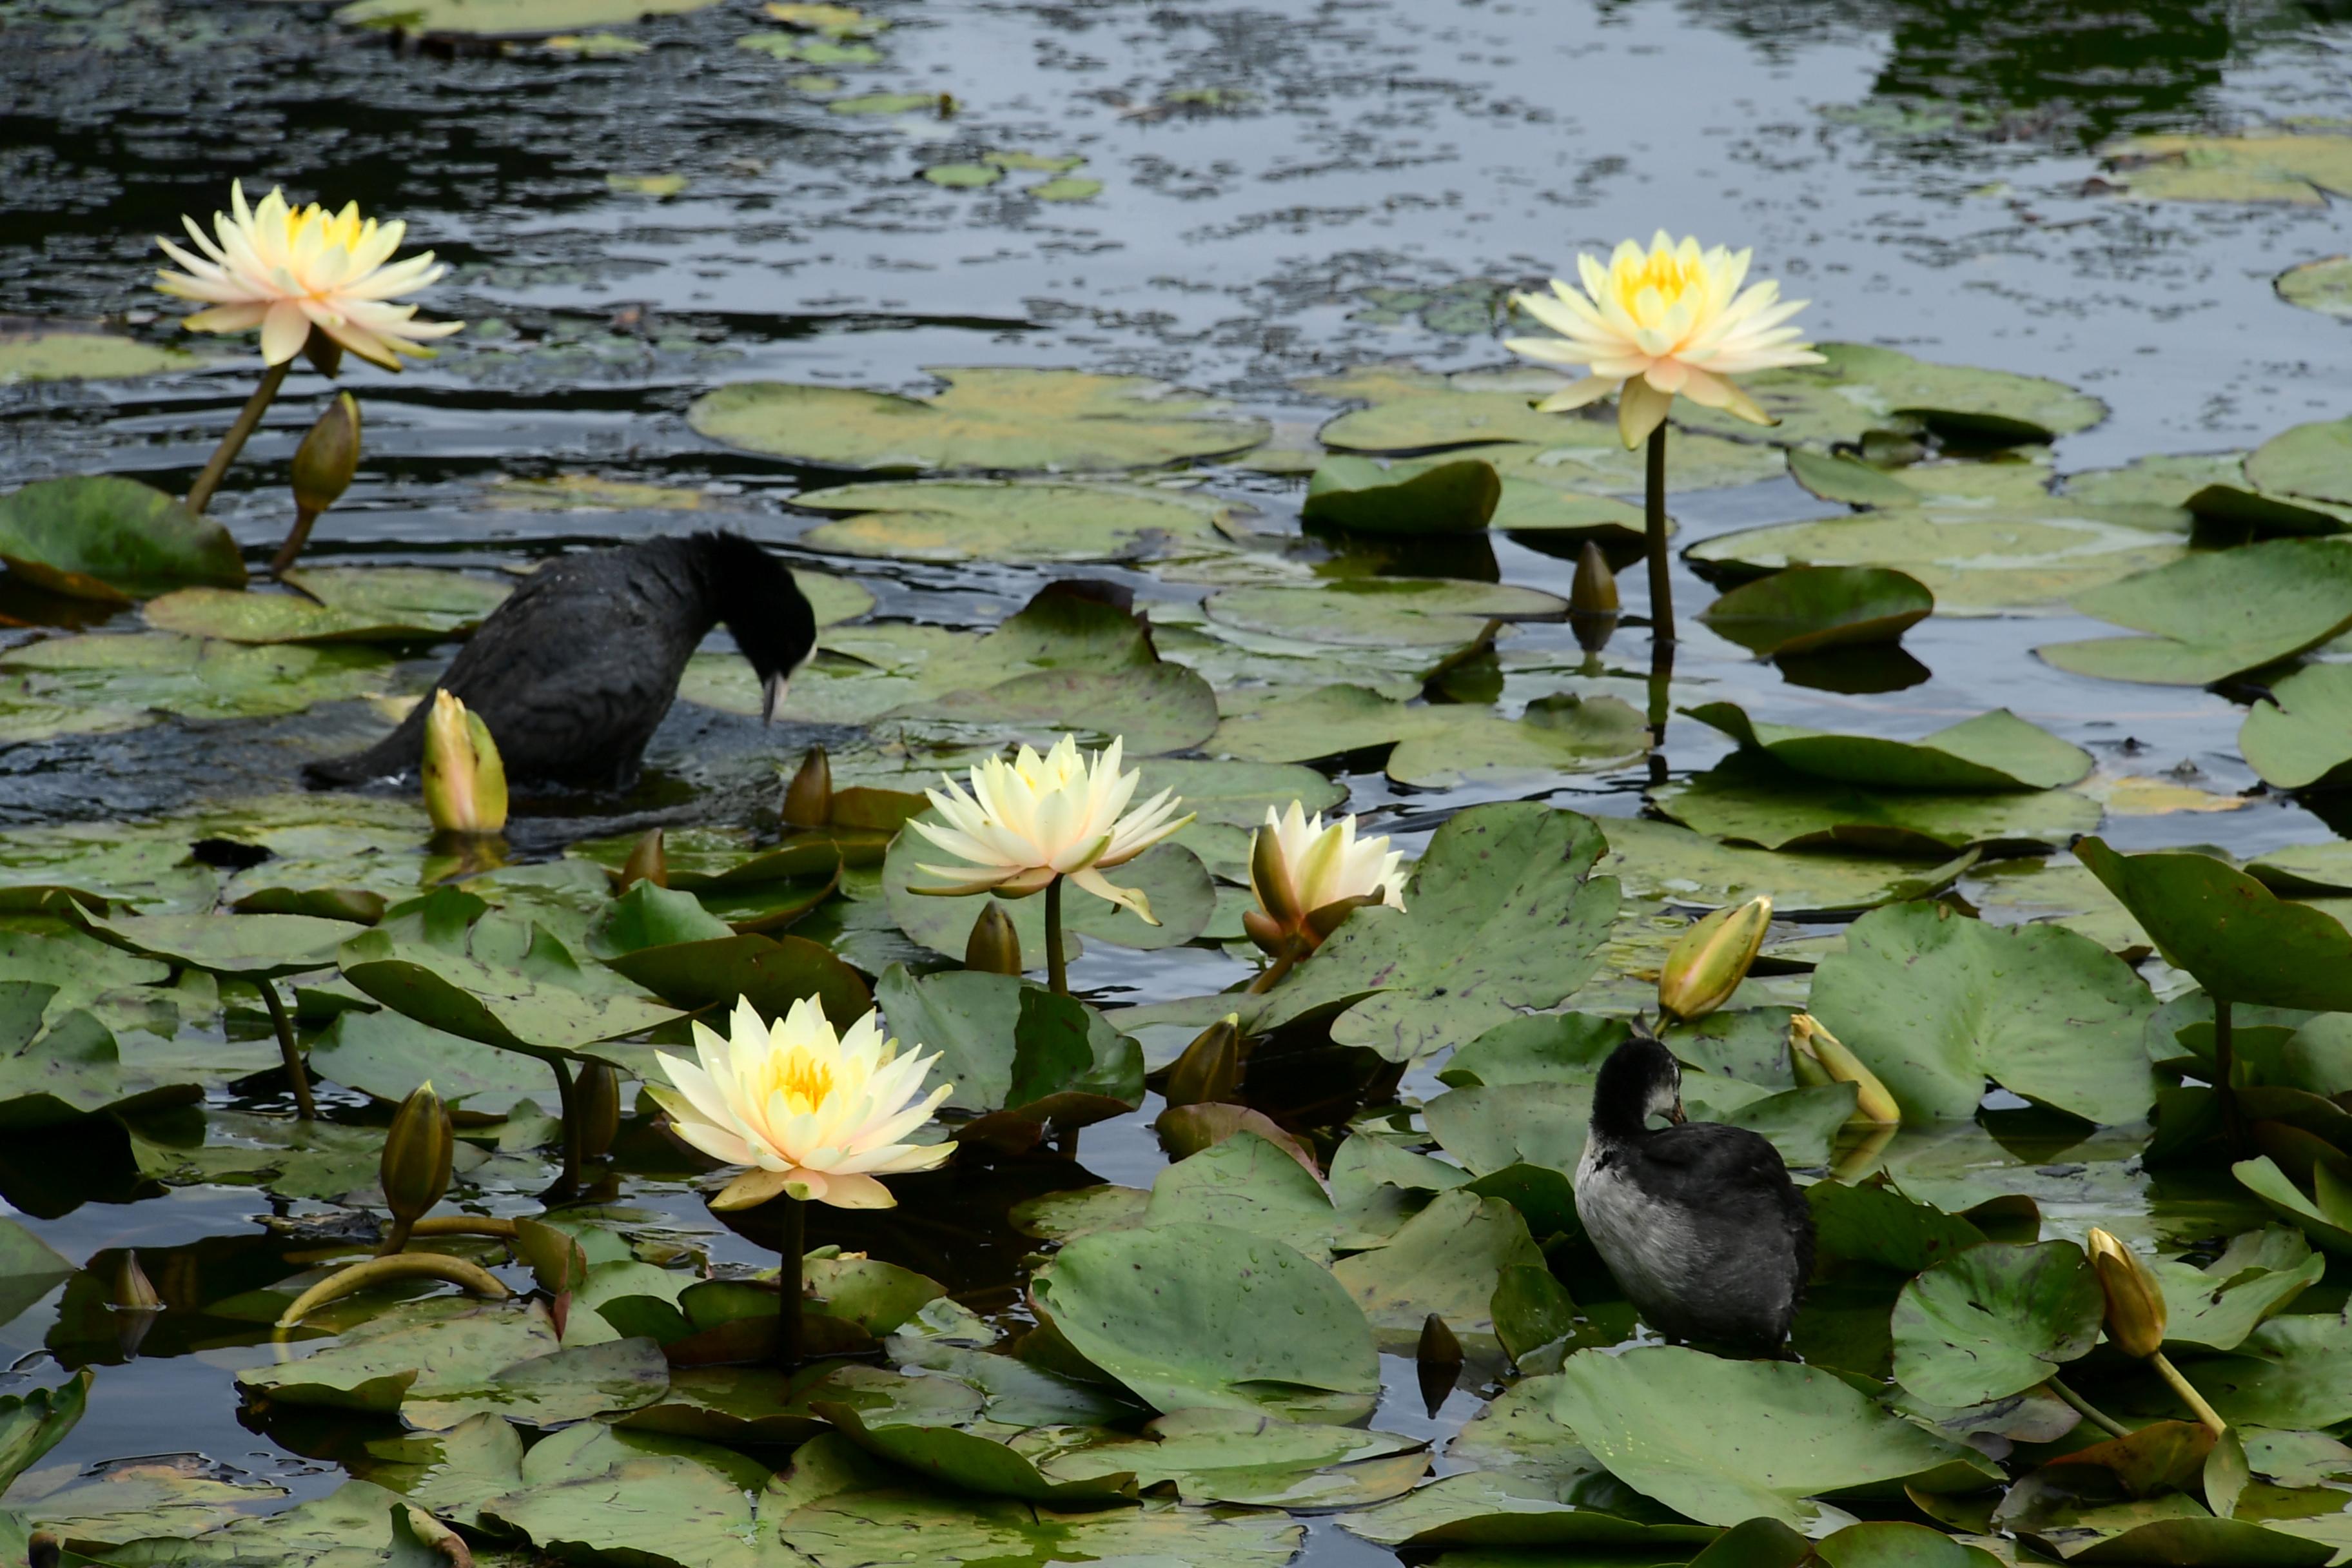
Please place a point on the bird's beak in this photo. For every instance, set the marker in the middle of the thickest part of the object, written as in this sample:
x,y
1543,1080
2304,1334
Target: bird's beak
x,y
773,695
1676,1115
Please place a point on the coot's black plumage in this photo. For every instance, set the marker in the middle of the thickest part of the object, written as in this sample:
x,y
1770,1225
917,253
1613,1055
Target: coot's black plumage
x,y
574,672
1699,1223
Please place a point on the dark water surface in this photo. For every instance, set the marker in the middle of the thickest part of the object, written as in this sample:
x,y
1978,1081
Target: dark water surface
x,y
1362,176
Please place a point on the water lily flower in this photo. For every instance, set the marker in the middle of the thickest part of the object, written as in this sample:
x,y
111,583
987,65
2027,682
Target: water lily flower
x,y
1672,321
817,1116
1028,822
288,269
1308,877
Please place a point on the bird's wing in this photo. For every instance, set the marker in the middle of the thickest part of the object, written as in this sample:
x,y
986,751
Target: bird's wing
x,y
1711,1152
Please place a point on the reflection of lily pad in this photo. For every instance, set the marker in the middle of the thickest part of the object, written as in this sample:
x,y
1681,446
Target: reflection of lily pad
x,y
1754,801
1807,609
979,520
2216,614
107,538
381,603
1382,612
507,19
985,419
1995,751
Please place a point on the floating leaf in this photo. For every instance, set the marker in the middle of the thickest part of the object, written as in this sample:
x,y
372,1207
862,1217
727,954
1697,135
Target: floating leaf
x,y
1862,387
1230,1457
386,1055
111,539
1754,801
1807,609
853,1527
1995,1320
1005,1044
2216,614
1660,860
2303,734
192,677
962,176
2241,942
1156,708
2324,286
1436,745
1995,751
2217,1306
1382,612
2263,165
1066,188
1362,496
507,19
252,947
1013,520
378,603
31,351
985,419
1935,1003
1447,1259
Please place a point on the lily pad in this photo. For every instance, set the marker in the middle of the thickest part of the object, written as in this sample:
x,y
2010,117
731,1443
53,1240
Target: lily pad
x,y
1807,609
1435,745
1995,751
1446,1259
193,678
1660,860
1382,612
1171,877
1995,1320
1935,1003
851,1527
2241,942
1024,521
31,351
251,947
2262,165
2216,614
1583,1518
1754,801
2258,1275
1361,496
1859,388
985,419
386,1055
1005,1044
111,539
1157,707
2324,286
1230,1457
1192,1316
506,18
1723,1441
2302,735
379,604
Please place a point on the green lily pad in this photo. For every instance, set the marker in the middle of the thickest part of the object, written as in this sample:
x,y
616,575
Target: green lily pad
x,y
192,677
1382,612
379,604
1935,1003
1995,1320
1239,794
1660,860
1446,1259
2216,614
1503,915
2265,164
665,1510
386,1055
1362,496
2291,1373
1192,1316
31,351
155,1501
1806,608
1434,746
1066,189
1584,1518
985,419
855,1527
971,519
2159,479
506,18
1859,388
1995,751
31,1424
2021,560
1246,1184
1157,707
1722,1441
1754,801
2241,942
2324,286
1230,1457
251,947
2258,1275
2304,734
1007,1044
2261,1177
436,1343
111,539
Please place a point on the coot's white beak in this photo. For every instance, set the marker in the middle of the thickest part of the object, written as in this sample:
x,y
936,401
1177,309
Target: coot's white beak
x,y
771,695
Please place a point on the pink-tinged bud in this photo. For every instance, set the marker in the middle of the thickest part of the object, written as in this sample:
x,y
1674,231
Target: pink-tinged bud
x,y
465,782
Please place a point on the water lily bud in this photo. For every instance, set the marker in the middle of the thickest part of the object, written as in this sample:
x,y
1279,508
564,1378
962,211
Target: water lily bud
x,y
1820,1057
597,1096
1210,1071
133,1291
808,803
1707,961
648,861
2134,1300
1308,877
1592,600
416,1151
465,782
993,947
329,457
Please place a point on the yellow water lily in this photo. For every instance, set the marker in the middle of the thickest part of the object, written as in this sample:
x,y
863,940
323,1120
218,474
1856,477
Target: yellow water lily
x,y
1307,877
288,269
1671,320
815,1115
1027,822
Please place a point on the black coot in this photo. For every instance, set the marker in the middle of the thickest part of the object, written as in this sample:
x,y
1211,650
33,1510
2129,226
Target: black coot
x,y
574,672
1707,1234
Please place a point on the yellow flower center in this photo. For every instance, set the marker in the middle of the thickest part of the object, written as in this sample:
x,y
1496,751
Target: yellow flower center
x,y
804,1081
1662,270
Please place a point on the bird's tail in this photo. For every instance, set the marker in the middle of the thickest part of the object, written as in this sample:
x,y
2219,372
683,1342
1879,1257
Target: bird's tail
x,y
398,752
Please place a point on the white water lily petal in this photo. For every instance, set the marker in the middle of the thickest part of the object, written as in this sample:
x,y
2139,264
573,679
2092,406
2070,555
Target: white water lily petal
x,y
1023,822
1327,864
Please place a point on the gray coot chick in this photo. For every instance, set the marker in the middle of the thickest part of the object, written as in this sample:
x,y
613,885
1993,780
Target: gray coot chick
x,y
573,673
1707,1234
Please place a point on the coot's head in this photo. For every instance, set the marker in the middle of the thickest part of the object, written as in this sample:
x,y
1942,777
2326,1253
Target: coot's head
x,y
763,608
1640,1080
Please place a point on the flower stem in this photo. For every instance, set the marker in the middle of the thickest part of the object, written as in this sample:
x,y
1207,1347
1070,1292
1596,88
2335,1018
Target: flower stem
x,y
296,537
787,1283
569,1099
1271,975
1660,693
2232,1124
1057,967
304,1106
200,494
1653,511
2089,1412
396,1238
2189,1395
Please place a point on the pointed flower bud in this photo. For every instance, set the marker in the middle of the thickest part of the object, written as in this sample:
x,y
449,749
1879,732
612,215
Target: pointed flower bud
x,y
596,1097
133,1291
993,947
1820,1057
1708,961
328,455
1210,1071
808,801
648,861
1308,877
2135,1299
465,782
416,1151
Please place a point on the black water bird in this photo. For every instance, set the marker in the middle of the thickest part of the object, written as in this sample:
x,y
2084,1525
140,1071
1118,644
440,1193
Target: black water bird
x,y
574,672
1699,1223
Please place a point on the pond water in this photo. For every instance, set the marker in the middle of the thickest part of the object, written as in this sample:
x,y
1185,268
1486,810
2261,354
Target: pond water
x,y
1285,189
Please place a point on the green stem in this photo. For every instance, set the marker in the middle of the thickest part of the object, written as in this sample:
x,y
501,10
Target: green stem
x,y
2189,1395
396,1238
1057,967
2089,1412
304,1106
787,1283
569,1099
296,537
1662,683
1271,975
200,494
1653,513
2232,1124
